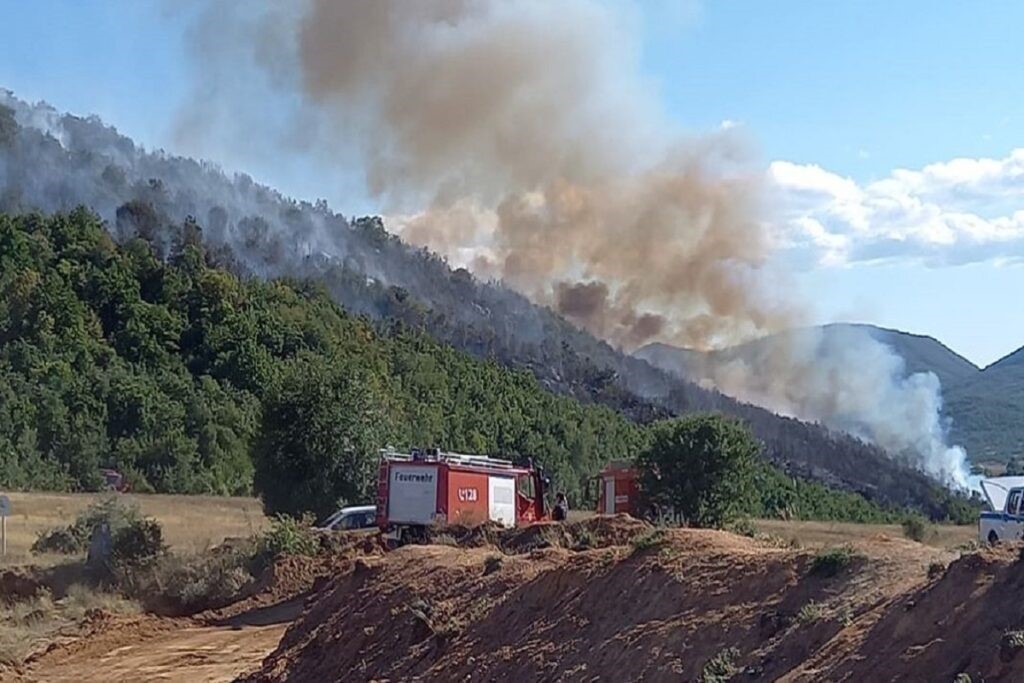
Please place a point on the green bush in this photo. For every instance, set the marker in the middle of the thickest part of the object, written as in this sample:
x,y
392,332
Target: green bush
x,y
720,668
648,540
915,528
831,561
744,526
700,466
183,585
64,540
290,536
809,613
138,543
110,511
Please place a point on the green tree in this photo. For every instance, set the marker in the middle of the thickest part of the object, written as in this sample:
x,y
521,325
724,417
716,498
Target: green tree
x,y
702,466
322,426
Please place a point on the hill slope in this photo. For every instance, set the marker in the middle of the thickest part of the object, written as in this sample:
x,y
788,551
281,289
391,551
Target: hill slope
x,y
54,162
988,410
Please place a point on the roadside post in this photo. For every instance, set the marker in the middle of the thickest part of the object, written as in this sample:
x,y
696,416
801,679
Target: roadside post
x,y
5,511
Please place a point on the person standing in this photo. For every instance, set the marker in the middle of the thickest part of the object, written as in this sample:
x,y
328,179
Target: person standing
x,y
560,513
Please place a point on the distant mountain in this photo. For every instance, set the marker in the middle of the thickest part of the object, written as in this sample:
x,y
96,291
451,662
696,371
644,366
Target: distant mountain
x,y
988,410
1012,360
985,407
922,353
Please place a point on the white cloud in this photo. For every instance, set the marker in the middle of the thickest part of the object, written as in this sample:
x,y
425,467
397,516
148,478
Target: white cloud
x,y
953,212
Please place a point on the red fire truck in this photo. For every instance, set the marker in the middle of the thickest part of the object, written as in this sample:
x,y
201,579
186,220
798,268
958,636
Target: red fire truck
x,y
429,487
619,491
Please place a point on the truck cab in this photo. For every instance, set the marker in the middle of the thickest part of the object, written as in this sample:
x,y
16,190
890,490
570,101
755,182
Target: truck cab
x,y
1004,521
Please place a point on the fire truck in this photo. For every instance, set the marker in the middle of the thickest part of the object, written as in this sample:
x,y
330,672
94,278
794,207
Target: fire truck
x,y
429,487
618,490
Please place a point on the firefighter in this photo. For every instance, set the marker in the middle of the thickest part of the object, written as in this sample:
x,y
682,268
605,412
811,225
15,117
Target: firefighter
x,y
560,513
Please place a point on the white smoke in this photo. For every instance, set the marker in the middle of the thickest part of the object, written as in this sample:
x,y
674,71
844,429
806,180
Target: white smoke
x,y
844,378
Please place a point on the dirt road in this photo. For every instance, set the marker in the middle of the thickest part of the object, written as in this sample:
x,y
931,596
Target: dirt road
x,y
211,653
185,650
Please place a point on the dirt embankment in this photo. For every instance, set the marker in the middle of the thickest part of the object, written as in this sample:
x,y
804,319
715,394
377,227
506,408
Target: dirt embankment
x,y
608,598
648,606
210,645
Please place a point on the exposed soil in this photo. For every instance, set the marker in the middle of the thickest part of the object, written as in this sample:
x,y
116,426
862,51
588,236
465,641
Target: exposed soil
x,y
212,645
648,610
628,603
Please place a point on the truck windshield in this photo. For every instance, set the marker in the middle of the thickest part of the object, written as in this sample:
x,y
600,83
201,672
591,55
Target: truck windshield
x,y
1013,503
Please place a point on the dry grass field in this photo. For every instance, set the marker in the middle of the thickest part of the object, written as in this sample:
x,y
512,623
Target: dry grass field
x,y
190,523
820,534
815,534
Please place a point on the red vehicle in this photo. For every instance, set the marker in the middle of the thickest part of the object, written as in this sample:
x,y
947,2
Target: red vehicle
x,y
424,488
618,490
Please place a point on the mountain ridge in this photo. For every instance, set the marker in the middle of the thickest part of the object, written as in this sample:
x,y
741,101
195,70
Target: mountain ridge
x,y
257,231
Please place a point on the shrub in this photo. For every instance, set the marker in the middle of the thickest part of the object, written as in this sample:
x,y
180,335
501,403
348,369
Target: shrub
x,y
915,528
585,539
74,538
444,539
1013,640
192,584
936,569
809,613
136,544
744,526
830,561
64,540
289,536
651,539
493,563
720,668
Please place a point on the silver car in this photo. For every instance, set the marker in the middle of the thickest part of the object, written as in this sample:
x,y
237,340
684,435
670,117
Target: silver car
x,y
351,518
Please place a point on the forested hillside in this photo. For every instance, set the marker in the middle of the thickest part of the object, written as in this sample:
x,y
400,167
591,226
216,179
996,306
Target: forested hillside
x,y
168,370
56,162
988,410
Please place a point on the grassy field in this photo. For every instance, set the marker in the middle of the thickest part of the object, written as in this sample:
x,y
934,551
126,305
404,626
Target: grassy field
x,y
193,523
813,534
190,522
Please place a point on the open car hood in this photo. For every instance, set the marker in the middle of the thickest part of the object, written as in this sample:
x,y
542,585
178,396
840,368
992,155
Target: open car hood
x,y
997,489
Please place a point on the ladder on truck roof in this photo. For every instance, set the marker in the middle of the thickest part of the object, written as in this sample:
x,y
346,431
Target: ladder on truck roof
x,y
435,455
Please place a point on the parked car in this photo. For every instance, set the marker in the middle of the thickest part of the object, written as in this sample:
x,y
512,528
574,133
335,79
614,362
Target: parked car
x,y
1005,519
114,480
357,517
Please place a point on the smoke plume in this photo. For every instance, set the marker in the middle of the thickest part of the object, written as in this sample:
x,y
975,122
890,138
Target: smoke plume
x,y
519,139
842,377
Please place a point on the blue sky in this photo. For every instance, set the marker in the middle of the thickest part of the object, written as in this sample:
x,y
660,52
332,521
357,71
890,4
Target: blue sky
x,y
858,89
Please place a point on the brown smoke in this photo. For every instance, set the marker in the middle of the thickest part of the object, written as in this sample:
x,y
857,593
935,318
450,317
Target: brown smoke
x,y
518,138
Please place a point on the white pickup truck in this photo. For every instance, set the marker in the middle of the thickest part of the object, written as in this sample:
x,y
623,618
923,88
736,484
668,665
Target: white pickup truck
x,y
1005,520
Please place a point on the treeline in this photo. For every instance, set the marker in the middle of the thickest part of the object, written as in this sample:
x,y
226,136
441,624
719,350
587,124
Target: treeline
x,y
182,376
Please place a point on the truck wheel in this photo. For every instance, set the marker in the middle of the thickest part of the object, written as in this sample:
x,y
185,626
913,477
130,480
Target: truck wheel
x,y
993,538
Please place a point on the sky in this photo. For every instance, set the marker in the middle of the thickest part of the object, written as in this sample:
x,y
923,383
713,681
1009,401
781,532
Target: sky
x,y
888,133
